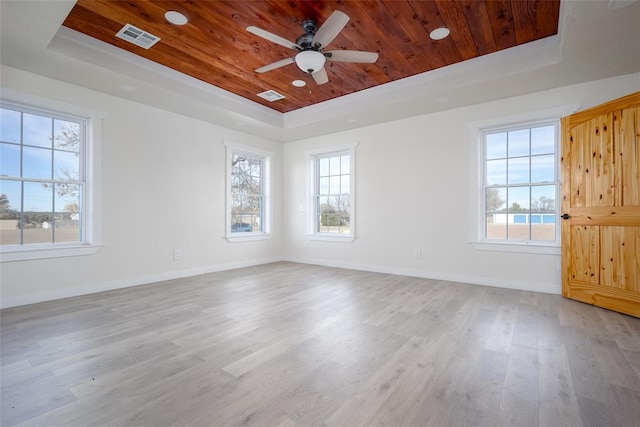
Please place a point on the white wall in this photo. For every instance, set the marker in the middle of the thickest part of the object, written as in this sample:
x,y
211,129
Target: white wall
x,y
163,188
417,188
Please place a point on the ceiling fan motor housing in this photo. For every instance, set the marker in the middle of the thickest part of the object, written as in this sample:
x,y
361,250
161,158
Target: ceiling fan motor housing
x,y
304,41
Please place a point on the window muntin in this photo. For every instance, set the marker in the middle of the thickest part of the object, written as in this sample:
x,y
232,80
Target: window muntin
x,y
247,193
332,194
521,184
42,177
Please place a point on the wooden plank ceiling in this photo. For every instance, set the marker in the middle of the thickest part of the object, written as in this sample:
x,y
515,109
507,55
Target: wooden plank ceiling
x,y
215,47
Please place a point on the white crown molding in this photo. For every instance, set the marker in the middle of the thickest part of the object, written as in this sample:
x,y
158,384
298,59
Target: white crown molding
x,y
528,57
88,49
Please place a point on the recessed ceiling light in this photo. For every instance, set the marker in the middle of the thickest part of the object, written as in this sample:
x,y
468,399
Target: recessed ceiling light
x,y
176,18
299,83
439,33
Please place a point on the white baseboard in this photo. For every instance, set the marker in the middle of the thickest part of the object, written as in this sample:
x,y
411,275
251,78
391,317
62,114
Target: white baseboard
x,y
8,302
547,288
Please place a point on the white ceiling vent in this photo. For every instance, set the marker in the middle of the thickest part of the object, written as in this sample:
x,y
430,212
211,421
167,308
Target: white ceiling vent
x,y
271,95
137,36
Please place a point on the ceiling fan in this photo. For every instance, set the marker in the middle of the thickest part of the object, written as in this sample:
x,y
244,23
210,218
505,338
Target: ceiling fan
x,y
310,46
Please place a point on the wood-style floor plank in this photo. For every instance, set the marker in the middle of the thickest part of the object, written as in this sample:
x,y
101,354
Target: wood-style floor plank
x,y
288,344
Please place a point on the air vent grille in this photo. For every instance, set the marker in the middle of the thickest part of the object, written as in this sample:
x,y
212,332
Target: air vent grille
x,y
137,36
271,95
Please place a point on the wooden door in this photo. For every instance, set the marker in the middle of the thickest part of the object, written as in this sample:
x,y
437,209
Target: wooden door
x,y
601,205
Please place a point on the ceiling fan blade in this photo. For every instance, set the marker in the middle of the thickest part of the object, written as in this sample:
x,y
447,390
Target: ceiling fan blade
x,y
330,29
275,65
273,38
320,76
352,56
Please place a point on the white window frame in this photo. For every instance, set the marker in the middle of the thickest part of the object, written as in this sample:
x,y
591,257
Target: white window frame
x,y
91,200
267,159
477,238
312,209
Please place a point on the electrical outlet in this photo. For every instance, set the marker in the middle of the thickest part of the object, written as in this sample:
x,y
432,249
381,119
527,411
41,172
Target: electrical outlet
x,y
177,255
418,254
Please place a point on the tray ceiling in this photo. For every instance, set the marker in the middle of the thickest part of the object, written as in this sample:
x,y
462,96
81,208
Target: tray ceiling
x,y
214,46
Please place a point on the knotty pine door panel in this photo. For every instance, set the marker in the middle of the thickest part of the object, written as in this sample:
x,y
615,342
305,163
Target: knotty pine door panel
x,y
601,196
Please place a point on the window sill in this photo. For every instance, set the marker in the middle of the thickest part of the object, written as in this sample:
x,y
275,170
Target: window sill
x,y
33,252
331,238
529,248
246,237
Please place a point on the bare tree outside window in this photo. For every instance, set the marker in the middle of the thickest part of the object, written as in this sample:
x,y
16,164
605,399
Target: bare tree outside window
x,y
247,194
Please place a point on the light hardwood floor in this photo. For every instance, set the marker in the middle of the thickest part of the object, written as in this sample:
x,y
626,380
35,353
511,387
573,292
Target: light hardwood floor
x,y
289,344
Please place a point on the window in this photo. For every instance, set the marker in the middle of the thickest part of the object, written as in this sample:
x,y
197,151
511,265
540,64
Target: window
x,y
521,184
248,190
49,180
333,184
42,177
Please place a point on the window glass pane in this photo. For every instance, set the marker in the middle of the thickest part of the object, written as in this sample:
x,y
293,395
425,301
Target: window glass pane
x,y
66,166
334,166
246,174
36,162
334,185
256,167
543,218
496,172
495,200
345,164
345,184
67,198
343,211
518,199
246,214
10,207
9,160
519,170
518,218
38,218
324,186
495,205
335,215
543,168
496,145
519,143
324,208
66,135
323,166
9,126
543,140
543,198
37,130
67,216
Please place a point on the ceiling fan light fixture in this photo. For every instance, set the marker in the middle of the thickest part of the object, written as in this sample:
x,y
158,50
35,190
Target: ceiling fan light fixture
x,y
310,61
